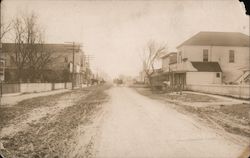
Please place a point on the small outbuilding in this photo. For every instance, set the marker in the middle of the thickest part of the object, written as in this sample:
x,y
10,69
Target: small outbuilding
x,y
206,73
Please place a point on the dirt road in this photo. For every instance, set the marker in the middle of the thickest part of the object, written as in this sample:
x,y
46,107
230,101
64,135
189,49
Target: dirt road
x,y
102,122
136,126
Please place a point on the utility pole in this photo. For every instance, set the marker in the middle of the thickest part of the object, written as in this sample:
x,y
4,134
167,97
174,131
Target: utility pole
x,y
2,63
1,49
74,50
73,68
88,74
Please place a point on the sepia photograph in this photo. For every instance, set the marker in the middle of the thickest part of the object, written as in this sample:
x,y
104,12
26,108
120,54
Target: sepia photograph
x,y
124,79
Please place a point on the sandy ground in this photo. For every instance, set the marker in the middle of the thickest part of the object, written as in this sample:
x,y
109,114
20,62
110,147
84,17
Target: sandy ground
x,y
14,99
113,123
221,100
51,126
223,113
136,126
38,113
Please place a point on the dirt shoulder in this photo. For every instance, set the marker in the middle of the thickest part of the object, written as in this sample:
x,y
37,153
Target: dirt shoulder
x,y
12,99
19,111
233,117
52,134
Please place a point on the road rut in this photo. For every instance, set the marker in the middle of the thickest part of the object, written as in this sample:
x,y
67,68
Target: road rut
x,y
137,126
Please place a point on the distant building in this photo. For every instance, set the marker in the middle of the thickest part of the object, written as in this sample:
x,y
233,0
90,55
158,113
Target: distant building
x,y
213,57
142,76
165,74
169,61
58,70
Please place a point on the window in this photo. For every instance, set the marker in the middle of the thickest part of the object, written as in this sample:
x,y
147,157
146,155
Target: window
x,y
218,75
12,60
81,62
180,57
205,55
1,66
66,59
231,56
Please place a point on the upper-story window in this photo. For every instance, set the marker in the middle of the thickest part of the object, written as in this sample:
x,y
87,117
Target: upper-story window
x,y
81,62
66,59
218,75
231,56
12,60
180,57
205,55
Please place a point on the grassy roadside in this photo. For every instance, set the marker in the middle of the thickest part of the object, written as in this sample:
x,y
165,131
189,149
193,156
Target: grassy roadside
x,y
233,118
52,135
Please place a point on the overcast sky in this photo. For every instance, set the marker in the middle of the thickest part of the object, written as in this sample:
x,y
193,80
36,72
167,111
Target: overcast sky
x,y
115,32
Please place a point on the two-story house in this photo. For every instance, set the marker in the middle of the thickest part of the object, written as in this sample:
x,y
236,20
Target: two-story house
x,y
169,62
214,58
58,70
169,65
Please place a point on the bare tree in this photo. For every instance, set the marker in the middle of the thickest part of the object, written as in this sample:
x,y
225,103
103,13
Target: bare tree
x,y
20,55
30,55
5,28
152,51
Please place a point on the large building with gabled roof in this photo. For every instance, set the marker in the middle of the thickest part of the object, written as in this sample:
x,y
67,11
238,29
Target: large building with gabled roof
x,y
214,58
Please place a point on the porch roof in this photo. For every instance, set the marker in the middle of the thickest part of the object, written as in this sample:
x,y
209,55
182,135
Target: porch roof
x,y
207,66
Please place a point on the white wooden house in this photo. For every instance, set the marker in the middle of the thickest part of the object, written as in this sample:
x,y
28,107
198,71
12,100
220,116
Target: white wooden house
x,y
214,58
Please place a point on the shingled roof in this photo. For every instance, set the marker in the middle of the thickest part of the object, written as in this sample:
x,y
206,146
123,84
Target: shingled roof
x,y
64,48
218,39
207,66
